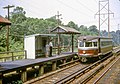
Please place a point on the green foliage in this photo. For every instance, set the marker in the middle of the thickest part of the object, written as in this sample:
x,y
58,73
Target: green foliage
x,y
22,25
93,30
84,30
15,45
3,39
72,25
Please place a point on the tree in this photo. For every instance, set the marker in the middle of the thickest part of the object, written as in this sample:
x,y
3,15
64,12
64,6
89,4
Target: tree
x,y
17,29
72,25
104,33
3,39
22,25
84,30
17,17
93,29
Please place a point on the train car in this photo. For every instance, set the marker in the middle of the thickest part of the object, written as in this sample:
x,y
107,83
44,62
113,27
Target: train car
x,y
93,47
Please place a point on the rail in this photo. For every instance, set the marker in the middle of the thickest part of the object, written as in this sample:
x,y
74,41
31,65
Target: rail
x,y
99,68
71,77
12,55
106,70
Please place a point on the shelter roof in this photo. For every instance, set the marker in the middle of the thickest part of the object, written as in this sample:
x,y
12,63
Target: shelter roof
x,y
88,38
42,35
4,21
65,30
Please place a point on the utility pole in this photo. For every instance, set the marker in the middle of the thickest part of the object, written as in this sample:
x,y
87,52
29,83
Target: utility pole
x,y
103,7
7,40
58,19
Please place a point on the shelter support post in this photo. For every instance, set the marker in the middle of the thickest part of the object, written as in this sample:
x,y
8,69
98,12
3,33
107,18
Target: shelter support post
x,y
72,43
58,44
54,65
24,75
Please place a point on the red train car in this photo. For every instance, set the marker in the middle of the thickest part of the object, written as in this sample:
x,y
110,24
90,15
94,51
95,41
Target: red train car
x,y
93,47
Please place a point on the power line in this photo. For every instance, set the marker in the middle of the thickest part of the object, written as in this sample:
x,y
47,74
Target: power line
x,y
30,10
84,6
96,1
76,10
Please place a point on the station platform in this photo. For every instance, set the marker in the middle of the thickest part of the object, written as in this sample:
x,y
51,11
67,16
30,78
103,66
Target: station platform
x,y
6,67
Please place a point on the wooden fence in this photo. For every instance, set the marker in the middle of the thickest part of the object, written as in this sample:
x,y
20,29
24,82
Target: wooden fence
x,y
62,49
12,55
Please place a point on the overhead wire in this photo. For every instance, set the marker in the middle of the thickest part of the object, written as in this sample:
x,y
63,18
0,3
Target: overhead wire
x,y
84,6
76,10
96,1
64,5
60,3
30,10
114,20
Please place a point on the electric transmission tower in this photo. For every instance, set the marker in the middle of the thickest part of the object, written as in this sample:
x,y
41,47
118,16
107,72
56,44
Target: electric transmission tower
x,y
104,15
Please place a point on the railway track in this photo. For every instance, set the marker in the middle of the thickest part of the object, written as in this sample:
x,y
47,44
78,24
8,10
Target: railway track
x,y
67,75
85,74
58,75
110,68
76,74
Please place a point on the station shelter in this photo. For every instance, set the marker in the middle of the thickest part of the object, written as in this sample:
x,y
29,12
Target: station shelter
x,y
35,45
65,30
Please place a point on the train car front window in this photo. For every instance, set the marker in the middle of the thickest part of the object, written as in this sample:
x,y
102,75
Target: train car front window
x,y
81,44
95,44
88,44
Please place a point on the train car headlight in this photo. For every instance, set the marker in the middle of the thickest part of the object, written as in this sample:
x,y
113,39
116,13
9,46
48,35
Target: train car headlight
x,y
84,52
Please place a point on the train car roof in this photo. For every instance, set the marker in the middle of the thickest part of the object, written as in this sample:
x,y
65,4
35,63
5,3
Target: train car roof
x,y
88,38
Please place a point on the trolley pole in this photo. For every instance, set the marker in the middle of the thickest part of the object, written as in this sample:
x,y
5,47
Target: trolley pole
x,y
7,35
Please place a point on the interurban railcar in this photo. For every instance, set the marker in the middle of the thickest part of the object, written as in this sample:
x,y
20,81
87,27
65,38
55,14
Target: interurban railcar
x,y
93,47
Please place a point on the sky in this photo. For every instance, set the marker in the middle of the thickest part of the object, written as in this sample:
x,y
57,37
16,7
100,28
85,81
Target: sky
x,y
82,12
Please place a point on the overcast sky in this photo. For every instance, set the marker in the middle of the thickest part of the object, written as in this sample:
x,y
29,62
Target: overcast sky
x,y
81,12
